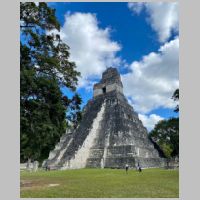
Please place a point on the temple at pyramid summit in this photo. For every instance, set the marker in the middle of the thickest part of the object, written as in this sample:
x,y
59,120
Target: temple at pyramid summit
x,y
110,134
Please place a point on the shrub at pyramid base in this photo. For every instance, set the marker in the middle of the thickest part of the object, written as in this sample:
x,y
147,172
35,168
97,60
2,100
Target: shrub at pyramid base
x,y
110,134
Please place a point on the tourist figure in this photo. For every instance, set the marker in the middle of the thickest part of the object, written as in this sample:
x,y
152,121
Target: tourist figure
x,y
127,168
140,169
47,168
138,166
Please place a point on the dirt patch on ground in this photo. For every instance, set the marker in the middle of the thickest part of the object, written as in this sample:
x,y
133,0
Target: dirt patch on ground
x,y
53,185
25,184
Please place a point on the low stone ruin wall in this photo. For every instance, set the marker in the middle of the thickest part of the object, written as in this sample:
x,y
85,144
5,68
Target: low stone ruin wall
x,y
29,166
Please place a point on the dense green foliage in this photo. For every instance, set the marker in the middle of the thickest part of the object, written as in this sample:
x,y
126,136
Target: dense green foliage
x,y
101,183
166,133
44,68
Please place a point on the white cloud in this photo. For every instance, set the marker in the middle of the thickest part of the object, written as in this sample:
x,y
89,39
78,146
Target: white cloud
x,y
163,17
152,80
150,121
90,46
136,7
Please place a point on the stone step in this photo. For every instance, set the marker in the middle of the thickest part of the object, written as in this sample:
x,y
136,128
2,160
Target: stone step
x,y
80,134
93,162
123,150
96,153
150,162
119,162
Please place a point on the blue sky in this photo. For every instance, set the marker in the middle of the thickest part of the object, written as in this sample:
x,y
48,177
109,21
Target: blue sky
x,y
140,39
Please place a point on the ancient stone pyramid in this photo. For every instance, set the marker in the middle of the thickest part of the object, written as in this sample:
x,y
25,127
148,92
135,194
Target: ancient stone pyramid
x,y
110,134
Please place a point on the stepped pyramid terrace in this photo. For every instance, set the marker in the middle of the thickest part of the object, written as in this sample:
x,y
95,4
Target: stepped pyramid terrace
x,y
110,134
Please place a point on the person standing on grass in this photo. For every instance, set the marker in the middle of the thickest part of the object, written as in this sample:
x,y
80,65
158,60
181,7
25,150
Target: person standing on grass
x,y
140,169
127,168
138,166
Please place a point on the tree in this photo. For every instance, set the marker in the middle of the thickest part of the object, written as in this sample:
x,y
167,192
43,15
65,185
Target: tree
x,y
166,133
44,68
74,116
175,97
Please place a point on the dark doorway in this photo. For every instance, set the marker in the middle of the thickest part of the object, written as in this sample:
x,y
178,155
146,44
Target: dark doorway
x,y
104,90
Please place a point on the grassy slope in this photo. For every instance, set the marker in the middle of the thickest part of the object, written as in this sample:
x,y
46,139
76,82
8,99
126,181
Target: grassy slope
x,y
101,183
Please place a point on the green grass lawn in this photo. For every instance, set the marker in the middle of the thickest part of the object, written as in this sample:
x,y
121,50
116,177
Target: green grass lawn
x,y
100,183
